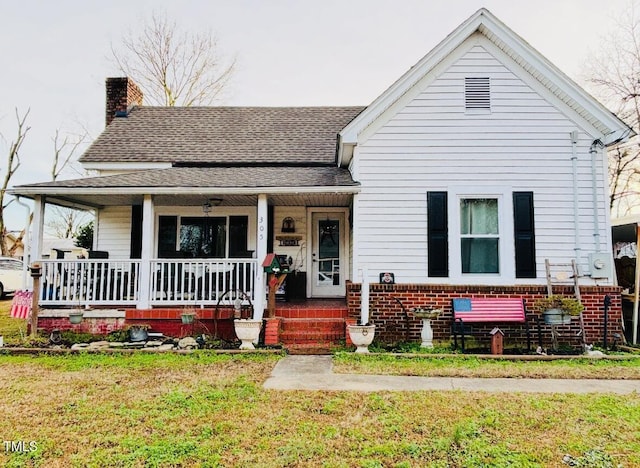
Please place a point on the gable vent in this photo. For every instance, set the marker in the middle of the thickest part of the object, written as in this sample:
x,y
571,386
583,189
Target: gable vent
x,y
477,93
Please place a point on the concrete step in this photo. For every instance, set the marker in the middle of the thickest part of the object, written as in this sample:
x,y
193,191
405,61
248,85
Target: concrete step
x,y
311,349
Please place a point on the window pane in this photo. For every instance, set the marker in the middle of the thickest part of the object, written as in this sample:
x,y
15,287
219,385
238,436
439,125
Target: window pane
x,y
203,237
167,229
238,237
479,255
478,216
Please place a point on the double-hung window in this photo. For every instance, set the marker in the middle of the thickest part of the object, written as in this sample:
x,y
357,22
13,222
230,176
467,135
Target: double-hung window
x,y
479,235
476,236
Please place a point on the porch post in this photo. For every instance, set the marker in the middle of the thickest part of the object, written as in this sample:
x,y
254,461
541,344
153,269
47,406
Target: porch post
x,y
261,253
38,228
146,253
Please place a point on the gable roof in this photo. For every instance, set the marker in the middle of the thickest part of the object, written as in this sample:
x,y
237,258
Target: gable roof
x,y
609,125
222,135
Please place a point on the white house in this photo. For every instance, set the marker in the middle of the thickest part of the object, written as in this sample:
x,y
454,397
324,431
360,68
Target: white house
x,y
475,166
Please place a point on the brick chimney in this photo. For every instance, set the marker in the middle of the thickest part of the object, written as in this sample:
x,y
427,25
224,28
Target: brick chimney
x,y
122,93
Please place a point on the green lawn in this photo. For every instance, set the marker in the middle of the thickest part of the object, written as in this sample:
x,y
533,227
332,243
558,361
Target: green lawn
x,y
10,328
618,367
205,409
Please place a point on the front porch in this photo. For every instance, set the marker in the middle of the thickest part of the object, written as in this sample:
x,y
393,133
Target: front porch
x,y
88,283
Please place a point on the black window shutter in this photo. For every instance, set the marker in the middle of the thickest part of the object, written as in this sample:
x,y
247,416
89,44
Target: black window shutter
x,y
136,232
524,234
437,234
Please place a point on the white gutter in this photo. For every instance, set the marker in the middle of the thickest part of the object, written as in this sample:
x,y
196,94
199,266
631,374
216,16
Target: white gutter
x,y
574,171
182,190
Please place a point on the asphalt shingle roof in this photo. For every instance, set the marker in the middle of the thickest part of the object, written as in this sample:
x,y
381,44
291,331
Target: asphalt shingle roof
x,y
214,177
223,135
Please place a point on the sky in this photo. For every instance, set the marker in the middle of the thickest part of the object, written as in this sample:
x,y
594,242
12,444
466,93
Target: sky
x,y
55,54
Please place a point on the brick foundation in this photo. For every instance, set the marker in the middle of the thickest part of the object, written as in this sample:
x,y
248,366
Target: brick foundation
x,y
95,326
211,322
393,324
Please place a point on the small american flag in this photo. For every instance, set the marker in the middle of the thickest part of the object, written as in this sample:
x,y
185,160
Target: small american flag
x,y
21,305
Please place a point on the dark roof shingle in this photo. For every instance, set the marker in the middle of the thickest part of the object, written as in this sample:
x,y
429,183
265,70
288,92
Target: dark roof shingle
x,y
213,177
223,135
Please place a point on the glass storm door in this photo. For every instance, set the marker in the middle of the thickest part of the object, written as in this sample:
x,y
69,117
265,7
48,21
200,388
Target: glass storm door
x,y
327,257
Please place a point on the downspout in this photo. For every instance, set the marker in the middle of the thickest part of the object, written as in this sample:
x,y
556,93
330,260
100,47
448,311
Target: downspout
x,y
26,243
593,150
574,171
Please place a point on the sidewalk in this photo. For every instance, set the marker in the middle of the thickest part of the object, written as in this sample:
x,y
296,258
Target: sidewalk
x,y
316,373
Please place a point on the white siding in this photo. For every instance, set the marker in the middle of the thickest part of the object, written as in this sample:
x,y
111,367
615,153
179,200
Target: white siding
x,y
114,231
523,144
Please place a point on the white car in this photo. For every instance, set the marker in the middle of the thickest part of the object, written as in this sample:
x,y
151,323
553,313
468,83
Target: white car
x,y
10,275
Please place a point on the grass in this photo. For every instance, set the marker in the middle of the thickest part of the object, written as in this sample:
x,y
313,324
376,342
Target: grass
x,y
206,409
470,366
210,410
12,329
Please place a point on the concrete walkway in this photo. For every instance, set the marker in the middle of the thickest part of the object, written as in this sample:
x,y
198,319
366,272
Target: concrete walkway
x,y
316,373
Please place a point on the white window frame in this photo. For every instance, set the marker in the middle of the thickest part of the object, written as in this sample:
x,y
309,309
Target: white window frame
x,y
506,253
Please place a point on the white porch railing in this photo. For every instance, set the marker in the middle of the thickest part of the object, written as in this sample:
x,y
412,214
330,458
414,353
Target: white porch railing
x,y
199,282
90,282
117,282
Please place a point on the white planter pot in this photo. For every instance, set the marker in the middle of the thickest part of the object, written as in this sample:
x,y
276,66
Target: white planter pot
x,y
247,331
361,336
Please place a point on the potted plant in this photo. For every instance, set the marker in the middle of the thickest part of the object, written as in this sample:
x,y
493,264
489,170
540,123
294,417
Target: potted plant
x,y
558,310
188,316
75,316
362,336
427,314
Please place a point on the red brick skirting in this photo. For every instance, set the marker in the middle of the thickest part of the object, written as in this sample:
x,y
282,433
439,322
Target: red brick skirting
x,y
272,331
393,324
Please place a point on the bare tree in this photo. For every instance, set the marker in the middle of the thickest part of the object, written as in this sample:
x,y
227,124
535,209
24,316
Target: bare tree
x,y
64,150
64,222
173,67
614,74
11,166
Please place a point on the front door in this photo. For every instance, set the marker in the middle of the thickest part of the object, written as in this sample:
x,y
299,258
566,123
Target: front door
x,y
328,261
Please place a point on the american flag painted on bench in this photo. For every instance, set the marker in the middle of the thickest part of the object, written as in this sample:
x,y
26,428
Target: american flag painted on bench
x,y
504,309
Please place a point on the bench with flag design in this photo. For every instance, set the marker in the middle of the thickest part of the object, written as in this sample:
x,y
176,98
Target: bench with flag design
x,y
487,310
